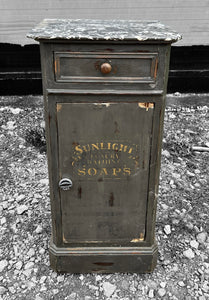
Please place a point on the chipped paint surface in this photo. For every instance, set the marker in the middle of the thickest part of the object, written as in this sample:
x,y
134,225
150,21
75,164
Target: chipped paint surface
x,y
55,66
146,105
103,30
59,107
106,104
140,239
64,239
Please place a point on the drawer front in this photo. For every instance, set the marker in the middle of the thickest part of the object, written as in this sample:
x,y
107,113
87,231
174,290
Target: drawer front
x,y
125,67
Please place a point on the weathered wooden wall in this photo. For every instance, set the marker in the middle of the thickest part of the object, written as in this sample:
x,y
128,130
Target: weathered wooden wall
x,y
189,17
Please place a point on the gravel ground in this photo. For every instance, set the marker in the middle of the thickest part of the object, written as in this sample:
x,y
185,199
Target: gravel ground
x,y
182,226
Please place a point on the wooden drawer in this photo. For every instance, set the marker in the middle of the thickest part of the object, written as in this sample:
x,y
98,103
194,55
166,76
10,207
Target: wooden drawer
x,y
86,67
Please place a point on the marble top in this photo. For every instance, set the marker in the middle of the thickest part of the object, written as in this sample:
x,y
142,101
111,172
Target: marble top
x,y
115,30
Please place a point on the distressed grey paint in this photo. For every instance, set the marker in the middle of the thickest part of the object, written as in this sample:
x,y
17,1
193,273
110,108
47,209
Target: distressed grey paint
x,y
106,221
67,57
77,67
106,196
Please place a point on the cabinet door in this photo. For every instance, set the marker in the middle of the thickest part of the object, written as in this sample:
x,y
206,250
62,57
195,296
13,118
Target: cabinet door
x,y
104,148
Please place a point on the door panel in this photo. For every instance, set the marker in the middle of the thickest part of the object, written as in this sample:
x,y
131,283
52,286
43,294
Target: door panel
x,y
104,148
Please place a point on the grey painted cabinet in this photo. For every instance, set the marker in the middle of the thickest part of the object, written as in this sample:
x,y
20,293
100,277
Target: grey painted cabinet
x,y
104,91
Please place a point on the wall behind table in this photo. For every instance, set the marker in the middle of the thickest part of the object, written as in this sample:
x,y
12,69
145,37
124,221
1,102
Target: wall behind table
x,y
189,17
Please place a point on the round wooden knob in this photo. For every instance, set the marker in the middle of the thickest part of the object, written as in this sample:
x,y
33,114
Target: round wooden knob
x,y
106,68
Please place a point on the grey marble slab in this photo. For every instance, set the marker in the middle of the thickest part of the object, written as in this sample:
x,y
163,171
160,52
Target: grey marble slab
x,y
103,30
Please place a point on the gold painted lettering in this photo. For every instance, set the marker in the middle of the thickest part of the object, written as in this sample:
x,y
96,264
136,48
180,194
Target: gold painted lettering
x,y
127,171
82,172
104,170
95,146
115,171
108,146
85,148
102,146
125,148
121,147
115,146
92,171
77,148
131,149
